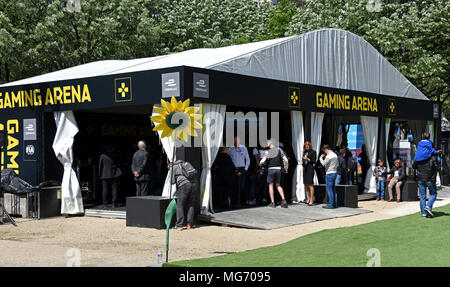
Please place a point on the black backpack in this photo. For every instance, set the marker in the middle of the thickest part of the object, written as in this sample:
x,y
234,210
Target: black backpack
x,y
188,171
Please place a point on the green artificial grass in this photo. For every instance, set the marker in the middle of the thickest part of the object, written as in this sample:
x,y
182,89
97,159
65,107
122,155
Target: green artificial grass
x,y
403,241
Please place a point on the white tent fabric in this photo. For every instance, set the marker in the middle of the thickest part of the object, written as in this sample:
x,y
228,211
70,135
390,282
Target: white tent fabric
x,y
213,123
316,135
388,126
370,132
168,146
326,57
298,188
66,129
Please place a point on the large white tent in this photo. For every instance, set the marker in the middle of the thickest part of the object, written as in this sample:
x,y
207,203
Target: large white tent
x,y
328,57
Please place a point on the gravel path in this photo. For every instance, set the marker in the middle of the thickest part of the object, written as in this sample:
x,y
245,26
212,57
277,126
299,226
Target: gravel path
x,y
108,242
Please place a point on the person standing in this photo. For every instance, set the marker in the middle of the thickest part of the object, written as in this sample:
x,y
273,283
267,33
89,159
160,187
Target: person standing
x,y
342,167
308,159
396,179
276,162
110,173
350,165
185,194
364,162
223,173
330,161
426,166
261,178
140,167
241,160
380,178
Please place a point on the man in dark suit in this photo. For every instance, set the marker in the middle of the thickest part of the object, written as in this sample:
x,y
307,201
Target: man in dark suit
x,y
140,167
110,174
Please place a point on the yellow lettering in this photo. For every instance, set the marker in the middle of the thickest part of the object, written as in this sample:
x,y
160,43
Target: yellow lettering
x,y
1,101
12,160
12,142
86,95
347,102
28,99
37,95
359,104
354,104
364,103
375,108
66,91
49,97
57,93
76,94
325,100
319,99
7,101
333,101
12,126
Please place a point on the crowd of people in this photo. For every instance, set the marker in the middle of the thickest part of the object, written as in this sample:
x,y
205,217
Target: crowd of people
x,y
240,176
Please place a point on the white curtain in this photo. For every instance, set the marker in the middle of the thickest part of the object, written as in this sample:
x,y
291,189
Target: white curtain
x,y
370,131
168,146
213,122
66,129
297,144
316,135
388,126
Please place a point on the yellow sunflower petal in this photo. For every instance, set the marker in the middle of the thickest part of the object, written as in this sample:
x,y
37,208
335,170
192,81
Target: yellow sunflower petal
x,y
161,111
186,104
166,132
159,127
166,106
158,119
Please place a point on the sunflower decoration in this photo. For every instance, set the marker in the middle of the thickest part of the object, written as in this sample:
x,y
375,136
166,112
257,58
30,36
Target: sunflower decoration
x,y
176,119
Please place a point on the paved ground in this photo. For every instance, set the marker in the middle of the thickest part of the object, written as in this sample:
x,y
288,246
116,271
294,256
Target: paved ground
x,y
108,242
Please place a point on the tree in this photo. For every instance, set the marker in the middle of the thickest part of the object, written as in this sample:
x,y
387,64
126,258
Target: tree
x,y
190,24
40,36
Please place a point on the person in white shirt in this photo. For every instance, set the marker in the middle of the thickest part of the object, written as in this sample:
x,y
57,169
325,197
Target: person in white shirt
x,y
330,161
276,162
241,160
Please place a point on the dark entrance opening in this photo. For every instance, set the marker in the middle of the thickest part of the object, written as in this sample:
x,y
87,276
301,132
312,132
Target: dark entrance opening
x,y
120,128
254,118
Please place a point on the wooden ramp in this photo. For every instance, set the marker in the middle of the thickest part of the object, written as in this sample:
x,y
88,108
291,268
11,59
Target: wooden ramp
x,y
272,218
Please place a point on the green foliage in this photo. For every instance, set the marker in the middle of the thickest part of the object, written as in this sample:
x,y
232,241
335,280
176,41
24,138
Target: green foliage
x,y
280,19
190,24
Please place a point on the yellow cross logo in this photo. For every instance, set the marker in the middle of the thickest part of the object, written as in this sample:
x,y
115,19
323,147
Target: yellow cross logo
x,y
123,89
392,107
294,97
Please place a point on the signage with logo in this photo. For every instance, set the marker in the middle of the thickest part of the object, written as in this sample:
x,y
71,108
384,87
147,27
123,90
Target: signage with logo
x,y
123,92
201,85
170,84
29,130
294,97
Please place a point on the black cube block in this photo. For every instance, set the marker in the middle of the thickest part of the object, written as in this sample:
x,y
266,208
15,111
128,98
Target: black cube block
x,y
347,195
148,211
409,191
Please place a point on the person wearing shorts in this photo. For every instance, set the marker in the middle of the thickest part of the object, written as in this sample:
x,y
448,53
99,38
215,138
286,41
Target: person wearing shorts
x,y
276,162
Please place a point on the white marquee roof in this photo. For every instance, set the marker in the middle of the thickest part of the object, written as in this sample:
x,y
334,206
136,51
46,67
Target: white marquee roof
x,y
327,57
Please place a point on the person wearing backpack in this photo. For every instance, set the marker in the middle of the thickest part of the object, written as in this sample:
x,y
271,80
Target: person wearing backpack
x,y
184,175
426,166
276,162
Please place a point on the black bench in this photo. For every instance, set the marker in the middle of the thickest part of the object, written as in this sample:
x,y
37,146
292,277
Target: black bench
x,y
409,191
347,195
